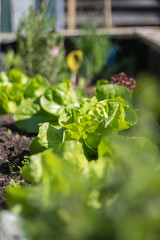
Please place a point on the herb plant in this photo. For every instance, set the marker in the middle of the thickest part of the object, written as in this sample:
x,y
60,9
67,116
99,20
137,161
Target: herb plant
x,y
40,46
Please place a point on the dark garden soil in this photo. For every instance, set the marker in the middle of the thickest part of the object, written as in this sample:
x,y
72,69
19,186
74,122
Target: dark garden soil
x,y
14,145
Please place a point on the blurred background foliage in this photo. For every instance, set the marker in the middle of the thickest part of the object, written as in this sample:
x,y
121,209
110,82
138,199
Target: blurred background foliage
x,y
40,47
95,48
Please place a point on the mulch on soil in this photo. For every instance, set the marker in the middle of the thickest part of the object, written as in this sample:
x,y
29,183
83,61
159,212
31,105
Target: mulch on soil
x,y
14,145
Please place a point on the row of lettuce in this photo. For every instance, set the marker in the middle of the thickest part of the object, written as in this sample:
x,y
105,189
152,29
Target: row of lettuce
x,y
92,176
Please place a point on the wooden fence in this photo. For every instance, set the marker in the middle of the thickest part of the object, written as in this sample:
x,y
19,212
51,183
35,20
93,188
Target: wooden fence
x,y
113,12
72,14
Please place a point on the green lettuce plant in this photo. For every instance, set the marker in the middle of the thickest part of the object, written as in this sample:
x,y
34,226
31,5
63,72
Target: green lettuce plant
x,y
47,107
66,114
93,173
16,87
11,59
87,200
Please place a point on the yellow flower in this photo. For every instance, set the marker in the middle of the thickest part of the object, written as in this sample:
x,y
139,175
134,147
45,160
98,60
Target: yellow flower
x,y
74,60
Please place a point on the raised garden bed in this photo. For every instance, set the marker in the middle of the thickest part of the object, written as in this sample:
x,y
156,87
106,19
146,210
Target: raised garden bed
x,y
93,160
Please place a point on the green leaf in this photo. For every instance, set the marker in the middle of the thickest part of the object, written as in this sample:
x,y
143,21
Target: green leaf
x,y
54,162
46,108
18,200
72,151
58,96
89,120
102,82
125,117
110,91
72,113
3,77
16,76
48,136
30,114
11,96
36,87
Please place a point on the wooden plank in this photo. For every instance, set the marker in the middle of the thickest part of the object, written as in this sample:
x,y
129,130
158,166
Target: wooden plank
x,y
98,19
71,14
135,4
108,13
90,4
149,35
116,32
8,37
135,19
118,4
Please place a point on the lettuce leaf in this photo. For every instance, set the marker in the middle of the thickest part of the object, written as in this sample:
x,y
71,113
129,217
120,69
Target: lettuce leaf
x,y
51,163
16,86
16,76
110,91
11,96
58,96
46,108
3,77
36,86
121,186
89,119
28,116
48,136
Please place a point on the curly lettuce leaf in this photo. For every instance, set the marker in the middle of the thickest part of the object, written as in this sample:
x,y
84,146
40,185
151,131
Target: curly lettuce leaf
x,y
89,119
